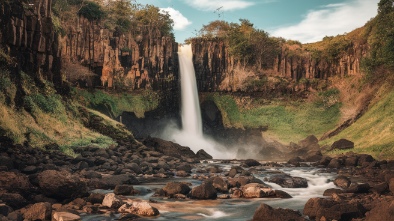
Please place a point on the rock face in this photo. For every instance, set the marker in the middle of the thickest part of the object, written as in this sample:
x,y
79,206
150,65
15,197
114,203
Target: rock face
x,y
217,70
30,38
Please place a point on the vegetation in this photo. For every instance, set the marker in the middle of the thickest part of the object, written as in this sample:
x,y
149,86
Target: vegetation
x,y
115,104
92,11
286,122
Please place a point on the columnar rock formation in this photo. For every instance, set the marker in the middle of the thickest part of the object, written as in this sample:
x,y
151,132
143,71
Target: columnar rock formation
x,y
217,70
26,33
144,59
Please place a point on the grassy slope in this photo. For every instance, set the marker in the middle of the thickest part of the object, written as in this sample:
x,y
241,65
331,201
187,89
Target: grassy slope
x,y
286,121
373,132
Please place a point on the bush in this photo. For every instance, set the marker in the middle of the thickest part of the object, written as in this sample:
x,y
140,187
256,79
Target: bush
x,y
91,11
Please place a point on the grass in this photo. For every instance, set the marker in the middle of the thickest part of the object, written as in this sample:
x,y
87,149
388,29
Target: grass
x,y
114,104
286,122
373,132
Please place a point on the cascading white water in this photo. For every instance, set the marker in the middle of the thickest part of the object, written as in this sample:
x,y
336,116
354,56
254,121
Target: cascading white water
x,y
191,114
191,134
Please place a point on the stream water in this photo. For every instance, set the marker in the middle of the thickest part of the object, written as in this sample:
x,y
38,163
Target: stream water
x,y
230,209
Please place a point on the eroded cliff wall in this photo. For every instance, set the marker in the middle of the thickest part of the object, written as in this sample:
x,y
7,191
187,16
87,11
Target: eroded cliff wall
x,y
217,70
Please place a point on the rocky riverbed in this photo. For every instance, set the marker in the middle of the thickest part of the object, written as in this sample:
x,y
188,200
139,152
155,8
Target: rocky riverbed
x,y
160,180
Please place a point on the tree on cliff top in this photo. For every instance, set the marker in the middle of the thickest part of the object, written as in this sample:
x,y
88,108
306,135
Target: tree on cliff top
x,y
153,18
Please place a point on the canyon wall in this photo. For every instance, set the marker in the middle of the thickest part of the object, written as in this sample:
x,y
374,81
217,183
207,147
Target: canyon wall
x,y
217,70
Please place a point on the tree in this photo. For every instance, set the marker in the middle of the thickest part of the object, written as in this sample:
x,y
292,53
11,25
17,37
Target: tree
x,y
217,28
91,11
153,18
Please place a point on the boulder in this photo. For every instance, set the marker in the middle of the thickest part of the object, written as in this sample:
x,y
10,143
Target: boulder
x,y
219,184
358,188
139,208
172,188
12,181
14,200
382,211
265,212
201,154
112,180
282,194
329,209
295,161
5,210
342,181
38,211
112,201
287,181
95,198
331,191
364,160
123,190
251,163
61,185
65,216
205,191
342,144
335,163
256,190
313,156
185,167
169,148
311,143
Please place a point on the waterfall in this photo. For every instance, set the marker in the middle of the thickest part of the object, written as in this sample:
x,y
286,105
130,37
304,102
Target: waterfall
x,y
191,114
191,134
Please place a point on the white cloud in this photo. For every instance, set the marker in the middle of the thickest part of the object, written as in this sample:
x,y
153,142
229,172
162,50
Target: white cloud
x,y
180,21
223,5
332,19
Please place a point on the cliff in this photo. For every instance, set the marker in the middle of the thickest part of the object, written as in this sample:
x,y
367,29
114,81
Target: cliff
x,y
26,33
218,70
141,60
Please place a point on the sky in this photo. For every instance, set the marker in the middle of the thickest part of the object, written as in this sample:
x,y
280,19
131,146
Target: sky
x,y
303,20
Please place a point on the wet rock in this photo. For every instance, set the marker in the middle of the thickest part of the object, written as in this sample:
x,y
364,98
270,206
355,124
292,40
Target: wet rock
x,y
236,193
123,190
342,181
61,185
287,181
95,198
282,194
112,201
65,216
172,188
219,184
358,188
295,161
204,191
38,211
128,217
201,154
256,190
251,163
112,180
382,211
14,200
232,172
342,144
265,212
331,191
238,181
329,209
335,163
139,208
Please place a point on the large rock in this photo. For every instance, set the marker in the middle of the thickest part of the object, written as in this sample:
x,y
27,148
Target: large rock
x,y
219,184
12,181
311,143
342,144
61,185
256,190
265,212
169,148
317,208
112,180
287,181
251,163
112,201
139,208
15,200
382,211
173,188
201,154
204,191
342,181
123,190
39,211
